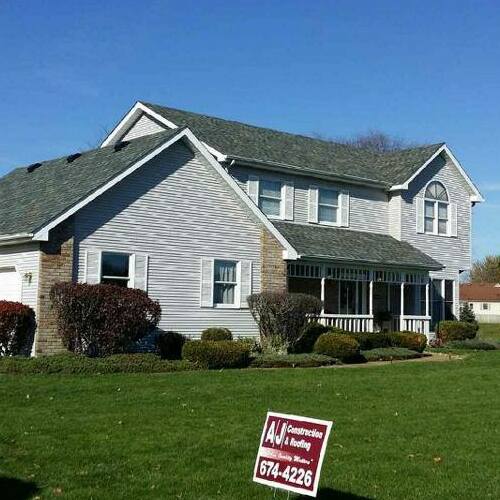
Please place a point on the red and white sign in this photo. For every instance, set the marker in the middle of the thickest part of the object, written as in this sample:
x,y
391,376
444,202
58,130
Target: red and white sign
x,y
291,453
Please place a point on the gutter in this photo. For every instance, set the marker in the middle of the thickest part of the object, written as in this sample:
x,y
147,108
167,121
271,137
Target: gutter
x,y
12,239
306,172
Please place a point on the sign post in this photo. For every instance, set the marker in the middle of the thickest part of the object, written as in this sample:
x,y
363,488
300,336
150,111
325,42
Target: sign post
x,y
291,453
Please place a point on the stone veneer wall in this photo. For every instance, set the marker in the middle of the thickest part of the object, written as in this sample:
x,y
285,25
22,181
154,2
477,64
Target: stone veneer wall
x,y
273,267
56,265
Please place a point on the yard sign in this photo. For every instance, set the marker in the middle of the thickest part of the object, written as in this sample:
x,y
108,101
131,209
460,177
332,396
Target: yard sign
x,y
291,453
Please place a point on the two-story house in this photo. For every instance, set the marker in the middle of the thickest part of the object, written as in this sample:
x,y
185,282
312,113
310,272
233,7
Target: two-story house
x,y
201,212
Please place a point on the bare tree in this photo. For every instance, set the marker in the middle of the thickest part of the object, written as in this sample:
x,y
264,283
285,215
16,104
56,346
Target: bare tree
x,y
486,270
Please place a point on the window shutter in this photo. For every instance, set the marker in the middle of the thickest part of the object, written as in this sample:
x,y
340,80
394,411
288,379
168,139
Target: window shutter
x,y
344,208
140,270
453,219
288,197
92,266
313,204
245,282
253,188
207,283
420,215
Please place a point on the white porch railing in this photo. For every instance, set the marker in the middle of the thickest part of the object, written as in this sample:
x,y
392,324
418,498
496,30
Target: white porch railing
x,y
417,324
348,322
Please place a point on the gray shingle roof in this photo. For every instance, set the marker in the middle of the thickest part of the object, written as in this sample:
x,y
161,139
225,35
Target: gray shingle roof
x,y
240,140
344,245
28,201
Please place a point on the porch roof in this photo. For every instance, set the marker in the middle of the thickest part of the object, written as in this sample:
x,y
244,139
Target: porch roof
x,y
348,246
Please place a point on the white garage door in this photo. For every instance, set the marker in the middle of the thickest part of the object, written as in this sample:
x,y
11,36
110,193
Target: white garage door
x,y
10,284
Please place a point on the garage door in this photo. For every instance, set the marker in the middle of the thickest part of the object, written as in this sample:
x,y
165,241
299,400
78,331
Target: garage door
x,y
10,284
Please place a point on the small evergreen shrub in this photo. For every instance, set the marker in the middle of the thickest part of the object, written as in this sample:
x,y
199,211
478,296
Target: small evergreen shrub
x,y
455,330
409,340
472,344
170,344
390,353
304,360
217,354
216,334
310,334
281,317
17,328
467,315
337,345
99,320
369,341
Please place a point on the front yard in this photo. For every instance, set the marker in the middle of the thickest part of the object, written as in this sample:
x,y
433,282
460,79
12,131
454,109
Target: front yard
x,y
403,430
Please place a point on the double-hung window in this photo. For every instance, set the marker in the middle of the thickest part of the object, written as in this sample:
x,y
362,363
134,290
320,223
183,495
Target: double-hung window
x,y
270,197
328,206
225,283
436,205
115,269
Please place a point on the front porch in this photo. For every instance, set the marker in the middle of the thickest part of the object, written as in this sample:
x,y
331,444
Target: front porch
x,y
366,300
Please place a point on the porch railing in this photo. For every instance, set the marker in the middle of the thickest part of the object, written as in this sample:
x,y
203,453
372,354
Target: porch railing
x,y
417,324
348,322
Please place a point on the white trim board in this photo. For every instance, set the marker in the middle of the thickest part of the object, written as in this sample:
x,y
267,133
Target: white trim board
x,y
476,197
184,133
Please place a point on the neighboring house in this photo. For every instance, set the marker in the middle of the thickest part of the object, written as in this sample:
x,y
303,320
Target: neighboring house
x,y
484,300
201,212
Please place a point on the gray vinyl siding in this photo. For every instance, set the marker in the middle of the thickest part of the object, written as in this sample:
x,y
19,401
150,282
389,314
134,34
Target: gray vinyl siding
x,y
143,126
394,215
368,206
26,259
176,209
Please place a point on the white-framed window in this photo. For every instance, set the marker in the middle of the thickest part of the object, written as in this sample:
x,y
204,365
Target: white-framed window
x,y
436,209
485,306
270,197
115,269
225,283
328,206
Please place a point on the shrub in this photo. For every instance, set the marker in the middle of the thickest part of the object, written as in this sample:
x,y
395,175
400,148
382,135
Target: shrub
x,y
369,341
170,344
75,364
281,317
216,334
98,320
17,328
217,354
472,344
409,340
455,330
304,360
310,334
390,353
467,315
337,345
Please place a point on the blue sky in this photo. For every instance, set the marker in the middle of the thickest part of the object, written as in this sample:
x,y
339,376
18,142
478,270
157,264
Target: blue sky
x,y
427,71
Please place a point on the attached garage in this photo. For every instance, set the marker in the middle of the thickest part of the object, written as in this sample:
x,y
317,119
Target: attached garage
x,y
10,284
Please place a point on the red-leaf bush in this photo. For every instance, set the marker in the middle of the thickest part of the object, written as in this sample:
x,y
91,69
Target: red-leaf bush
x,y
99,320
17,328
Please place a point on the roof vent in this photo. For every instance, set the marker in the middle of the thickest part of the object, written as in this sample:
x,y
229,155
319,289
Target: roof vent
x,y
73,157
33,167
120,145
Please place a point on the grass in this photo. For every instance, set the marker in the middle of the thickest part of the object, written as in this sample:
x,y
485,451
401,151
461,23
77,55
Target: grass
x,y
417,430
489,331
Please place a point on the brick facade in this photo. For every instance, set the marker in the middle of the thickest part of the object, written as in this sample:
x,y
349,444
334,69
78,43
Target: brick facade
x,y
56,265
273,267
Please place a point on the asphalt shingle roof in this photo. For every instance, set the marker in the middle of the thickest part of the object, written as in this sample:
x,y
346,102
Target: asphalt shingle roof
x,y
240,140
28,201
344,245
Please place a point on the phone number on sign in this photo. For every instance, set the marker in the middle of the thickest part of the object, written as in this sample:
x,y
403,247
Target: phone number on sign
x,y
295,475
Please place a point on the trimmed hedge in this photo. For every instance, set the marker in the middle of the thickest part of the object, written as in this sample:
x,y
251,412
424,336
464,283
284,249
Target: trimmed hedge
x,y
216,334
304,360
17,328
169,345
76,364
409,340
472,344
455,330
98,320
217,353
368,341
310,334
337,345
390,353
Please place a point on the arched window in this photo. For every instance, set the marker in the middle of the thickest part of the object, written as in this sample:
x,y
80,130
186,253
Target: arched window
x,y
436,215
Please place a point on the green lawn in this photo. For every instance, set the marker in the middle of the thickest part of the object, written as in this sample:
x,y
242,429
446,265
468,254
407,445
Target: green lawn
x,y
489,331
406,430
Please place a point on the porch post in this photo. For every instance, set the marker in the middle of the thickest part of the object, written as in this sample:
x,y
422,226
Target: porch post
x,y
401,326
370,304
323,296
427,299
